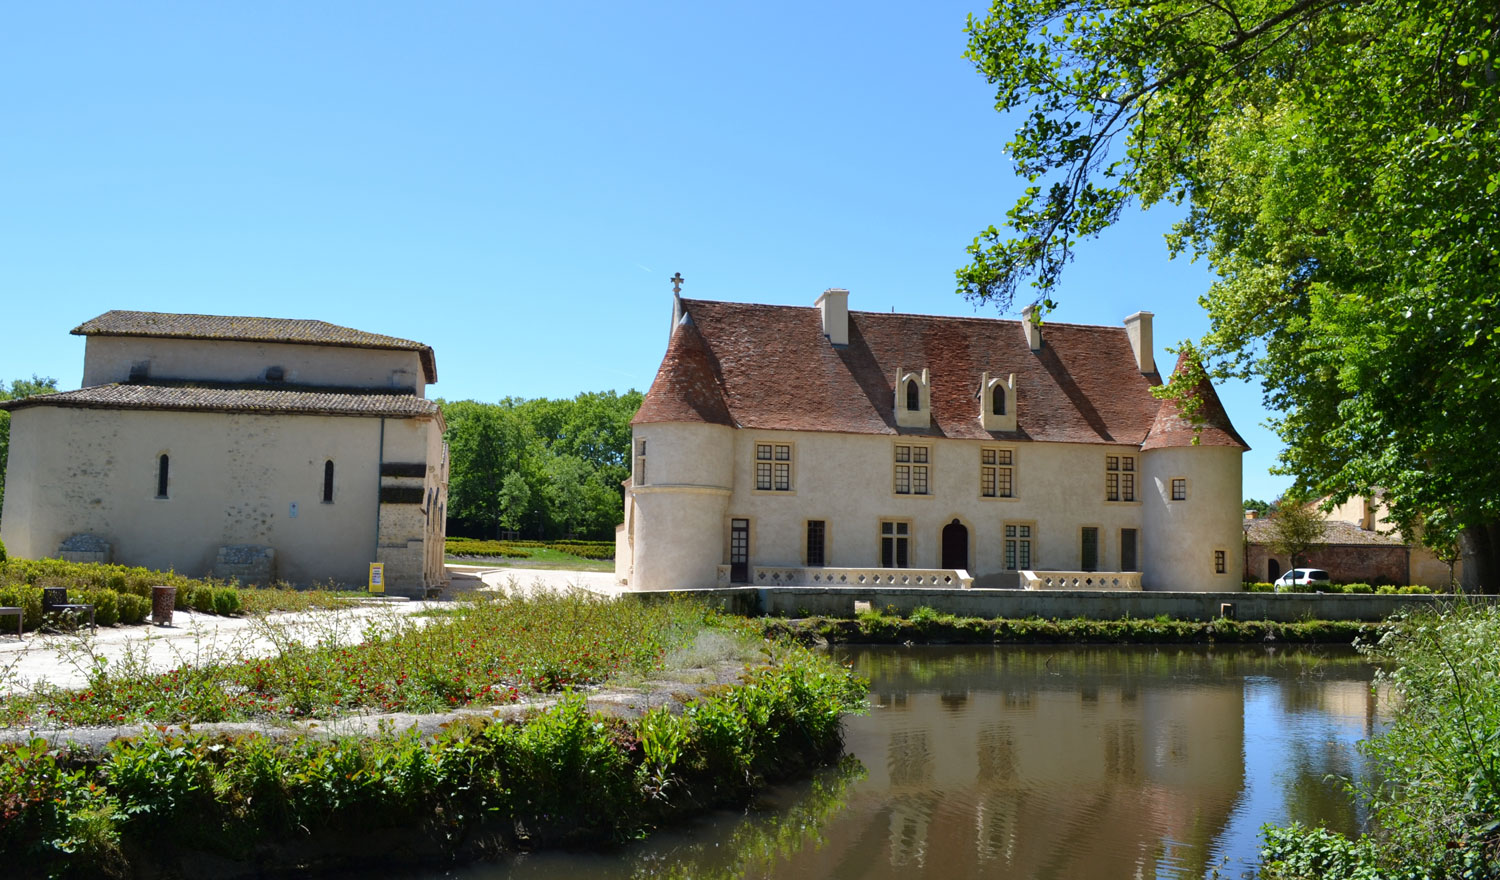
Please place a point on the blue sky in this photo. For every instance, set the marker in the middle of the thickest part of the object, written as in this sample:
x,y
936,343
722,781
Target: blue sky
x,y
513,184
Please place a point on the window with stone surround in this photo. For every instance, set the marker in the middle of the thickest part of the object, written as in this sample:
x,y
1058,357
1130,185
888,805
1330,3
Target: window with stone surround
x,y
817,541
1221,562
912,476
1179,489
773,467
640,463
1018,537
1119,478
328,481
895,544
996,473
163,467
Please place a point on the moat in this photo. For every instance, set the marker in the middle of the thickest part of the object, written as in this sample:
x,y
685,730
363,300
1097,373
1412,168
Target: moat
x,y
1043,762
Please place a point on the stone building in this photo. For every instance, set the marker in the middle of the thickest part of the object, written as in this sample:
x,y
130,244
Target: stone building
x,y
258,448
784,444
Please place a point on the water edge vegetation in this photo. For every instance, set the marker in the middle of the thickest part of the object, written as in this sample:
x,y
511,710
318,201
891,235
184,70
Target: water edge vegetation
x,y
482,784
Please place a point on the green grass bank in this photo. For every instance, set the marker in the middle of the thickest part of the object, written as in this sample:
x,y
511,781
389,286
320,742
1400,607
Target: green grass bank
x,y
927,626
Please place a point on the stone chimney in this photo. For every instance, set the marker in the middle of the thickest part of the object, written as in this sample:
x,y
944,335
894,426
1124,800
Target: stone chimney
x,y
834,306
1031,323
1138,326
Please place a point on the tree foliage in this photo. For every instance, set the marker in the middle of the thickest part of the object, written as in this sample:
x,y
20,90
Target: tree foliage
x,y
551,468
1339,163
19,388
1296,529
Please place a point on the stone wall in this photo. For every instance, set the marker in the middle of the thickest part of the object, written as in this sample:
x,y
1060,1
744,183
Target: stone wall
x,y
247,563
1377,564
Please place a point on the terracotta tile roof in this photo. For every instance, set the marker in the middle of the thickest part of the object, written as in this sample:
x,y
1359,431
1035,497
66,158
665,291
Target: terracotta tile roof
x,y
293,331
687,386
1213,429
770,367
217,397
1336,532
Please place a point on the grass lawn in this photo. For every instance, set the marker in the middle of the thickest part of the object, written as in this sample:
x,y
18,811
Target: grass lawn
x,y
541,557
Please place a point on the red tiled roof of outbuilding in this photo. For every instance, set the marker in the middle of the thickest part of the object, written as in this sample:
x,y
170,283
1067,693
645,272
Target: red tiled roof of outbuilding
x,y
770,367
1213,427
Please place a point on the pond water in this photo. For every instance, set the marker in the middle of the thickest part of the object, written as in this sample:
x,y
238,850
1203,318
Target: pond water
x,y
1043,762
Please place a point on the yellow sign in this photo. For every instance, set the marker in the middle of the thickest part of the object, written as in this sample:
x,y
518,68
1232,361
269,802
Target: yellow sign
x,y
377,577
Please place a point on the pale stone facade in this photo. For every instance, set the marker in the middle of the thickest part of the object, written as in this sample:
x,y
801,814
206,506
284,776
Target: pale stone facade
x,y
207,448
920,444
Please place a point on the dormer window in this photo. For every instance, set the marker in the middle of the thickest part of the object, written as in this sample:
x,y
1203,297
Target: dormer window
x,y
997,402
913,403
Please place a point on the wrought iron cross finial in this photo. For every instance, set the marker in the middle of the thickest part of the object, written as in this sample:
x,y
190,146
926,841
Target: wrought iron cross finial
x,y
676,282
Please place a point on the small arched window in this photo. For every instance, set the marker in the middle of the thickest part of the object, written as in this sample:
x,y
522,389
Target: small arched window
x,y
913,396
162,465
328,481
997,400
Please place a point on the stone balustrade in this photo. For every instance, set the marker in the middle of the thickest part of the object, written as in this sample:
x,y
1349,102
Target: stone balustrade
x,y
1081,580
785,576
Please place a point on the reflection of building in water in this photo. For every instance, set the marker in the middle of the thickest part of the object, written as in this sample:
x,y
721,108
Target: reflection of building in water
x,y
1102,781
1354,704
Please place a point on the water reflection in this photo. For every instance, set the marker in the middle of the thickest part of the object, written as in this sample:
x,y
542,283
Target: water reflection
x,y
1059,762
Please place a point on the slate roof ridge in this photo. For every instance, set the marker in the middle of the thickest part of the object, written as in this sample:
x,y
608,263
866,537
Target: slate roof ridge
x,y
248,328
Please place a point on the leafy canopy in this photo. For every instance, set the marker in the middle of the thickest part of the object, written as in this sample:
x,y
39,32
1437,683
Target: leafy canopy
x,y
1339,163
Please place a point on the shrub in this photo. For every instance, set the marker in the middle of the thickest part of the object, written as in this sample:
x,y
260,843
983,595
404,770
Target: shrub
x,y
1436,794
132,608
1260,587
2,551
226,601
1358,588
106,606
202,599
27,598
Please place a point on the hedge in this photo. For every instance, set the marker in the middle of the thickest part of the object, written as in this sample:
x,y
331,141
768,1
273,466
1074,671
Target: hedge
x,y
558,776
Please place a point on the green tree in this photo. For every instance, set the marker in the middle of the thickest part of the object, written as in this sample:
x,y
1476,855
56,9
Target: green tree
x,y
19,388
1339,163
514,500
1296,529
550,465
486,442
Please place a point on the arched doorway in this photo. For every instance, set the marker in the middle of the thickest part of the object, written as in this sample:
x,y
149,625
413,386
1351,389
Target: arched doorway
x,y
955,545
1273,569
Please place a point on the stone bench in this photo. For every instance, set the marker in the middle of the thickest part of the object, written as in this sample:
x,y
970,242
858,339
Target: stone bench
x,y
18,613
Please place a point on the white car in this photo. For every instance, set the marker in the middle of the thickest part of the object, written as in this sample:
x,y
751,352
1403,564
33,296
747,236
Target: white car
x,y
1301,577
